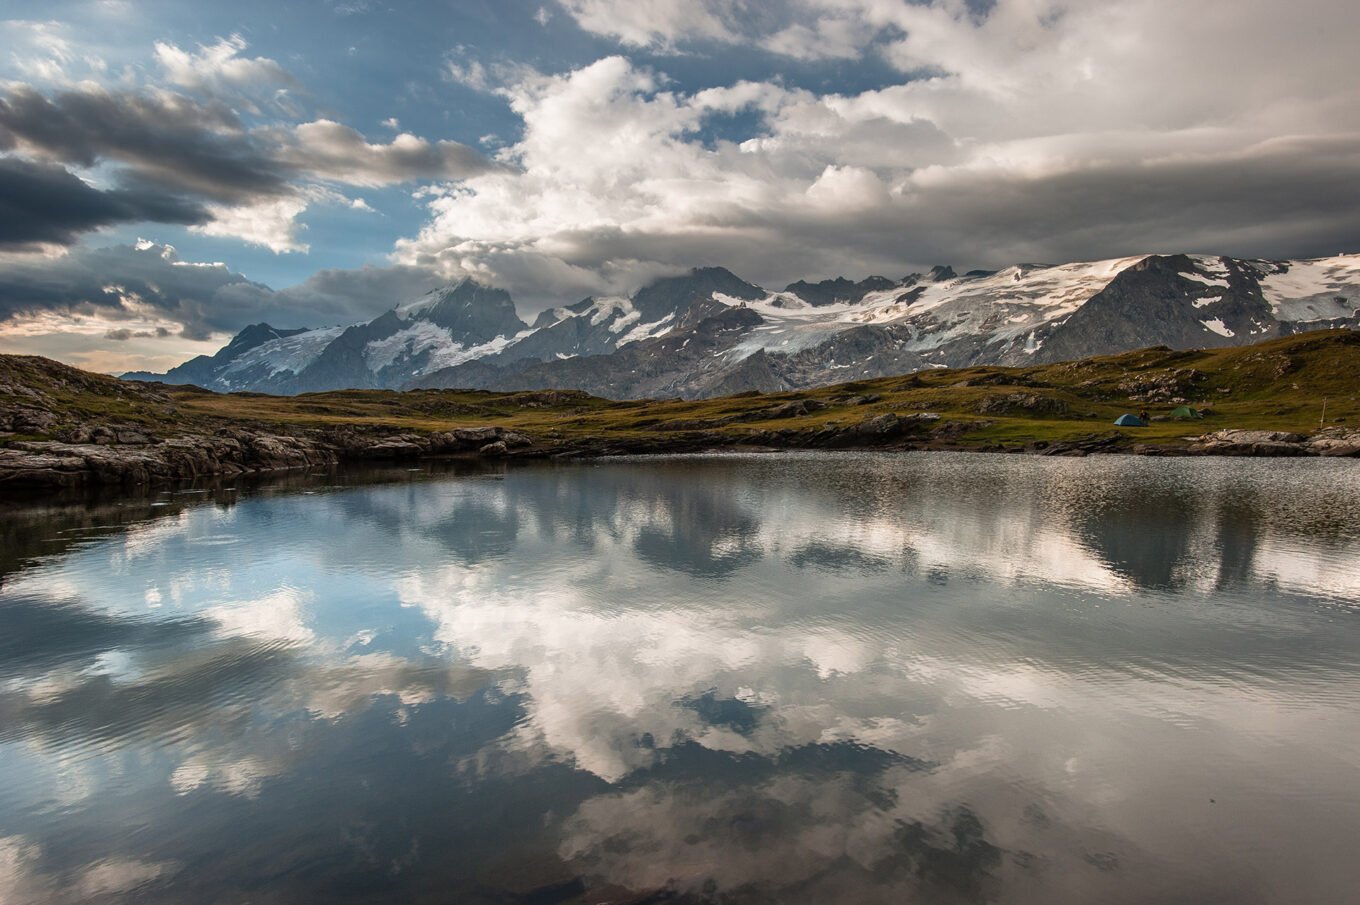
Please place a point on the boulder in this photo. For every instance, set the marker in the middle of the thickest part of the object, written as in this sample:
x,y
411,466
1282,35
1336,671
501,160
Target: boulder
x,y
393,449
22,468
1032,403
794,408
1336,441
270,453
30,421
857,400
885,425
476,437
1250,436
949,431
77,434
472,439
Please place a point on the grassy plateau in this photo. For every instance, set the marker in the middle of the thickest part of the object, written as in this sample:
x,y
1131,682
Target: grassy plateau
x,y
1276,385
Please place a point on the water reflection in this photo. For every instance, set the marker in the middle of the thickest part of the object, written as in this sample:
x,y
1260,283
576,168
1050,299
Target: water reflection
x,y
808,678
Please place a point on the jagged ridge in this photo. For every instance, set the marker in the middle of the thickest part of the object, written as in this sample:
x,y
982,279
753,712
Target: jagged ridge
x,y
708,332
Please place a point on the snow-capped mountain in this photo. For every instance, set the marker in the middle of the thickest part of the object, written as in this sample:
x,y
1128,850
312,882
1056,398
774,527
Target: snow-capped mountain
x,y
709,332
442,328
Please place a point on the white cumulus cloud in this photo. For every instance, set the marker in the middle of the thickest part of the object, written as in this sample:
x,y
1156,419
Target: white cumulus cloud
x,y
1020,131
217,66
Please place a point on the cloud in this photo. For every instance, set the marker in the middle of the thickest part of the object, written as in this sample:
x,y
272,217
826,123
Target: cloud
x,y
462,69
830,37
801,29
43,204
271,223
220,67
124,281
182,160
204,148
127,292
343,296
471,74
325,149
123,334
991,133
661,23
40,50
164,138
1015,132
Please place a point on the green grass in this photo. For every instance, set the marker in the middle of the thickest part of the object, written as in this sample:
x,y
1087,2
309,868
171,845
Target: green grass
x,y
1276,385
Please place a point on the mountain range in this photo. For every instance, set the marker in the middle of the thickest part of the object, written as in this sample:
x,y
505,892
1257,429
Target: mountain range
x,y
709,333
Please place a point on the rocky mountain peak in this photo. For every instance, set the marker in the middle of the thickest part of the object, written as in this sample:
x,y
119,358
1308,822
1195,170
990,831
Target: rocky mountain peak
x,y
838,291
674,337
675,295
471,311
255,335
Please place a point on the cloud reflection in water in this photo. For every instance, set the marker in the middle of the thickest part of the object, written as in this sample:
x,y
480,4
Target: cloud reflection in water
x,y
769,678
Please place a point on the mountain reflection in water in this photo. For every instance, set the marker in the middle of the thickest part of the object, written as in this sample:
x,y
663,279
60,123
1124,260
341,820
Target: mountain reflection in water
x,y
784,678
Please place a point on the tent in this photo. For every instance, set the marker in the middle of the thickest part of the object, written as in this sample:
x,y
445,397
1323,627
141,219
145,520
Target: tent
x,y
1185,413
1129,421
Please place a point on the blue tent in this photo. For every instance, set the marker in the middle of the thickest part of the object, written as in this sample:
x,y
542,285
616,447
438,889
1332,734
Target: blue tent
x,y
1129,421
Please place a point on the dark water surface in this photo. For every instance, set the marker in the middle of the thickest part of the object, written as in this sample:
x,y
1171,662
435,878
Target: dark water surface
x,y
782,678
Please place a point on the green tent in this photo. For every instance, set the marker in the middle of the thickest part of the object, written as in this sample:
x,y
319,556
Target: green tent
x,y
1185,413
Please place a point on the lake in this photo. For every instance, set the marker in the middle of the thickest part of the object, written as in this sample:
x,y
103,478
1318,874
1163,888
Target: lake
x,y
749,678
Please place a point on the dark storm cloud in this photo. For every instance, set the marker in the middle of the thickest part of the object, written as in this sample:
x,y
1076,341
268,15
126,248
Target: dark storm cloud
x,y
203,147
203,298
330,150
1294,198
103,279
177,159
123,334
165,138
43,203
347,295
1290,198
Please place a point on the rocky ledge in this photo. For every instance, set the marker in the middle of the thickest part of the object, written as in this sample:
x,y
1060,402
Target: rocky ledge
x,y
1332,441
131,457
121,455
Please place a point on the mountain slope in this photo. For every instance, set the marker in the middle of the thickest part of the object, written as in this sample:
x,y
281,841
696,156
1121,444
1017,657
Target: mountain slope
x,y
205,368
64,427
709,332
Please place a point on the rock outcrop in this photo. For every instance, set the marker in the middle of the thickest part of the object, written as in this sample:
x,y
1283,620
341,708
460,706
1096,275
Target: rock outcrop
x,y
1332,442
132,459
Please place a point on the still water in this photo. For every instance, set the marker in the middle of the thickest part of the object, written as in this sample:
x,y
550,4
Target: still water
x,y
778,678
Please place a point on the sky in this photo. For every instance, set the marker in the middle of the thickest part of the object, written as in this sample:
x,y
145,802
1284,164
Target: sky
x,y
172,171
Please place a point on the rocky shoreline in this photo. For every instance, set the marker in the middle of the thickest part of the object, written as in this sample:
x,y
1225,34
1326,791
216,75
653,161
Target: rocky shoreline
x,y
65,428
132,458
129,456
